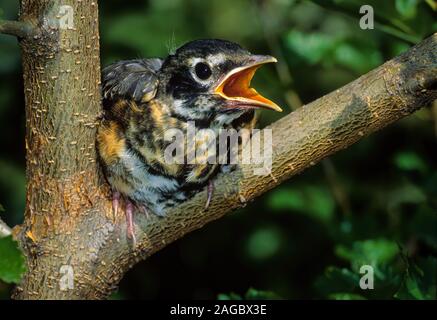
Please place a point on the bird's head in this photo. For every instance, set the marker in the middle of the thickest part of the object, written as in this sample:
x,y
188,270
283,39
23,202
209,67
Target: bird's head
x,y
210,79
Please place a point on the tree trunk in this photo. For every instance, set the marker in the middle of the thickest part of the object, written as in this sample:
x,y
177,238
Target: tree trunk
x,y
75,247
65,205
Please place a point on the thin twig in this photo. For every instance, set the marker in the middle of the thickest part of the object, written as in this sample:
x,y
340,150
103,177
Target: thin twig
x,y
20,29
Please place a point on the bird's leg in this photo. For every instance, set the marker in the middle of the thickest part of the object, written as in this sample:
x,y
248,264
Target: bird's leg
x,y
210,190
115,202
129,221
129,209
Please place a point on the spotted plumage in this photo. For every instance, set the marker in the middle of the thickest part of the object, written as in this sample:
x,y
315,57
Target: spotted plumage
x,y
205,82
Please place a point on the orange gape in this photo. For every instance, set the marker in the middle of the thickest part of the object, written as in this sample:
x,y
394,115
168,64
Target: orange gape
x,y
236,86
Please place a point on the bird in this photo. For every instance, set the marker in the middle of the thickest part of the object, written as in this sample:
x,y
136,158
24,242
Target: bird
x,y
204,82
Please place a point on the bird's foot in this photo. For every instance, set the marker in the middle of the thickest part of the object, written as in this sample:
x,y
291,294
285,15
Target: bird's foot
x,y
115,202
129,211
210,190
130,222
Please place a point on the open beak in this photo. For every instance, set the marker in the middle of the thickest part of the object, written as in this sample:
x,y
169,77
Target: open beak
x,y
235,86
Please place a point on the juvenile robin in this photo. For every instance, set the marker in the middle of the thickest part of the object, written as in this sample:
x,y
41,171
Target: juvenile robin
x,y
205,82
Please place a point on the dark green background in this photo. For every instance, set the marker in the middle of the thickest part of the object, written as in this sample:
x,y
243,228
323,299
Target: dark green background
x,y
374,203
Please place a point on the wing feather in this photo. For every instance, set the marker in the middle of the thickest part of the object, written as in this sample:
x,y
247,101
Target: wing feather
x,y
131,79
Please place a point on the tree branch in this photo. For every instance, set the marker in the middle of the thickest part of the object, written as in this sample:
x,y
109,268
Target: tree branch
x,y
69,219
20,29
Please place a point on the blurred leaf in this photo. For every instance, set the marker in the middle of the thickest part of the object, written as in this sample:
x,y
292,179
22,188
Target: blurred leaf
x,y
225,16
420,281
2,209
360,59
337,280
407,8
398,47
13,189
404,193
312,47
424,226
315,201
251,294
432,4
408,161
9,55
264,243
117,295
371,252
145,34
344,284
11,261
386,17
345,296
412,288
343,50
229,296
287,199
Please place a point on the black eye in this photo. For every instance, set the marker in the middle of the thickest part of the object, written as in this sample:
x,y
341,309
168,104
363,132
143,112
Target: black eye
x,y
203,71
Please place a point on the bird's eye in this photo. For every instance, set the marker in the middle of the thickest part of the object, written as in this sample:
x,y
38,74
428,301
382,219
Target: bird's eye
x,y
203,71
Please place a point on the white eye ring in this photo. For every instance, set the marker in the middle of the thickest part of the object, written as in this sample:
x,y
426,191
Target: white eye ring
x,y
196,73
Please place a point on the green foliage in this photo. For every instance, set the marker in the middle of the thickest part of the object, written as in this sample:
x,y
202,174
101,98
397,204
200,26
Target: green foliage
x,y
409,20
370,252
312,200
264,243
337,281
11,261
345,296
407,8
317,47
410,161
420,279
400,278
251,294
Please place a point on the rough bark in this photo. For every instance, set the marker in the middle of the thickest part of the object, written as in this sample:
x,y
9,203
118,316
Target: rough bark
x,y
61,67
68,218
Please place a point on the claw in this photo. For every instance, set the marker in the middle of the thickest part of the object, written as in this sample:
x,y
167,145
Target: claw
x,y
210,189
115,202
130,222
